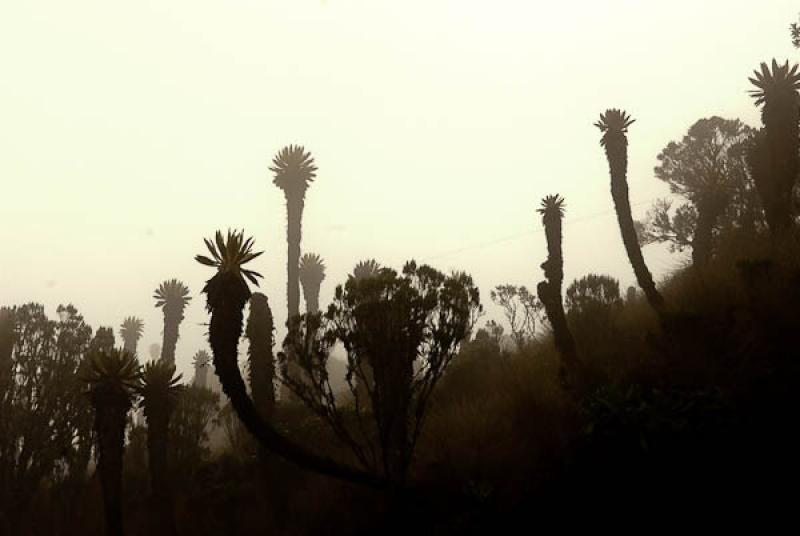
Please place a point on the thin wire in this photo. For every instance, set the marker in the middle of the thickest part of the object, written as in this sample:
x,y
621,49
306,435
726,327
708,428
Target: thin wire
x,y
508,238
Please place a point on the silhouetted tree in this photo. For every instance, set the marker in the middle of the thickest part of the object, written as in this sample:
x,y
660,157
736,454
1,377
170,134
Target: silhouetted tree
x,y
776,157
173,297
195,410
6,346
294,171
131,331
707,168
794,30
260,334
408,326
495,331
45,422
590,303
312,273
364,270
226,295
112,377
520,308
549,290
591,291
159,390
201,362
614,126
103,340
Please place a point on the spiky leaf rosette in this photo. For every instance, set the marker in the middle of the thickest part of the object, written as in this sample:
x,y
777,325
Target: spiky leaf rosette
x,y
294,169
228,256
113,372
365,269
201,359
312,268
131,328
779,85
131,331
552,211
159,387
172,293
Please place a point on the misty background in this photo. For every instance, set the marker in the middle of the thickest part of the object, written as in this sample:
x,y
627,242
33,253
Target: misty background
x,y
131,130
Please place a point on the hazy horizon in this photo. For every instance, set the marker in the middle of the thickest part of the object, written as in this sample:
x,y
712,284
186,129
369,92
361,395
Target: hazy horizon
x,y
130,132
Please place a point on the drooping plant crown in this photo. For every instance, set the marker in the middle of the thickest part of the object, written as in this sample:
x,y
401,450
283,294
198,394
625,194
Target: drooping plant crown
x,y
229,255
294,169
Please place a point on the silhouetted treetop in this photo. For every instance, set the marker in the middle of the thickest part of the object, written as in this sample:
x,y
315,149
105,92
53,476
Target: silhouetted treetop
x,y
228,257
614,123
778,85
172,293
294,169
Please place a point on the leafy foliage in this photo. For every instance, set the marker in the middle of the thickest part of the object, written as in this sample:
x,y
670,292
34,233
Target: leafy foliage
x,y
521,309
407,327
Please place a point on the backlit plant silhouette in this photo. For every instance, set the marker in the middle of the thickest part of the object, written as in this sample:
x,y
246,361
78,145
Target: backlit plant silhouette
x,y
777,94
312,273
159,390
549,291
614,126
260,334
201,361
112,378
408,327
173,297
227,293
131,331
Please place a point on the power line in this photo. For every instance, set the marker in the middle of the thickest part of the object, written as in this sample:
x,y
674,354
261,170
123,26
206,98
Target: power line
x,y
508,238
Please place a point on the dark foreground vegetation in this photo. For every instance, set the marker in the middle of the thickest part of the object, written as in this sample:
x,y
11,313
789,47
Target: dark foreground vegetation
x,y
674,401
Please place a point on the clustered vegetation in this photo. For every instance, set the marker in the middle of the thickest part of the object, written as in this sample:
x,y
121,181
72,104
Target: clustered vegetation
x,y
434,426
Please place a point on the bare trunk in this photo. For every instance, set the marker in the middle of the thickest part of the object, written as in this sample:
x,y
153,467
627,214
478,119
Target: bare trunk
x,y
172,321
157,441
110,427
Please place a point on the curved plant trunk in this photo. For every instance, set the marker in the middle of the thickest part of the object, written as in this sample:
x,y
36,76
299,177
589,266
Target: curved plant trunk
x,y
172,322
617,155
224,332
260,332
110,414
157,442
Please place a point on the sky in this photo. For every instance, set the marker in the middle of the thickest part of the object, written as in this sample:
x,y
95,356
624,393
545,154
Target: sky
x,y
131,130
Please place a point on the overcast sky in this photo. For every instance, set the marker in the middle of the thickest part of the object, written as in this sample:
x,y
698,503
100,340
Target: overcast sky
x,y
130,130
